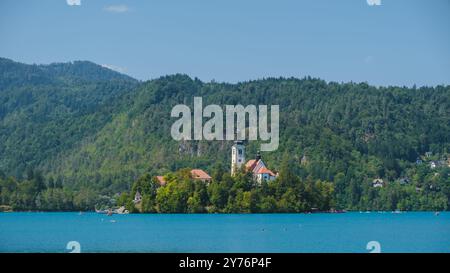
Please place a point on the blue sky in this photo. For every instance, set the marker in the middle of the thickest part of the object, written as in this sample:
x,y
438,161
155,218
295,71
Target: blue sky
x,y
401,42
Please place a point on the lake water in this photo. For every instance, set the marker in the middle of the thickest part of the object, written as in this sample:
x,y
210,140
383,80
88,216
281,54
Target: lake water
x,y
347,232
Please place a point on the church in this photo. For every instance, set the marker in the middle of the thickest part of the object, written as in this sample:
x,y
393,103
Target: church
x,y
256,166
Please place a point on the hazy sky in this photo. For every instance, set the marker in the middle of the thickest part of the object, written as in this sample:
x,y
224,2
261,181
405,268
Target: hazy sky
x,y
383,42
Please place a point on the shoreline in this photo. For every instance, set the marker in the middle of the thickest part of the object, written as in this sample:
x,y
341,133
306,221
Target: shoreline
x,y
232,213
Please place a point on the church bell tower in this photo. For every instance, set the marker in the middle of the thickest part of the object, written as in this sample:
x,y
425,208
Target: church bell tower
x,y
237,156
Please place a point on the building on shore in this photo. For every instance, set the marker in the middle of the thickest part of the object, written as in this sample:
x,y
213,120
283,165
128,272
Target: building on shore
x,y
256,166
259,169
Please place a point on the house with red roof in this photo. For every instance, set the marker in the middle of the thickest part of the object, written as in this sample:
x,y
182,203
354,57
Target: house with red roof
x,y
196,174
256,166
260,171
264,174
201,175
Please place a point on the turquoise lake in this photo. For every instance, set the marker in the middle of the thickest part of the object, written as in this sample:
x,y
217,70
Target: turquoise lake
x,y
346,232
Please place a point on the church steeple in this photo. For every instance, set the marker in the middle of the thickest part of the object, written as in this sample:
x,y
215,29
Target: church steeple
x,y
237,156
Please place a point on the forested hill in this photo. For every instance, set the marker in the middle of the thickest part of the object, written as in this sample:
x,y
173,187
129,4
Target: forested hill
x,y
46,109
18,74
95,128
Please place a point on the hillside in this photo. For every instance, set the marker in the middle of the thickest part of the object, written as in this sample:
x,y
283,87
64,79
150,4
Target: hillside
x,y
45,109
95,128
329,123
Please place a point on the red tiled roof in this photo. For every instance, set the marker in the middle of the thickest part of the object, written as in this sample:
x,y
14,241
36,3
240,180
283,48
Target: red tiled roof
x,y
161,180
250,165
200,174
264,170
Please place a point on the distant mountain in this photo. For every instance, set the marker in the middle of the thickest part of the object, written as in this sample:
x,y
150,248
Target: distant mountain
x,y
97,128
84,70
18,74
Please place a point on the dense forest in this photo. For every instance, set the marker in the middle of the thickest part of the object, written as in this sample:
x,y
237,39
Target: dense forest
x,y
74,136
